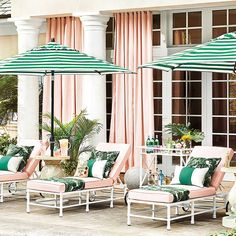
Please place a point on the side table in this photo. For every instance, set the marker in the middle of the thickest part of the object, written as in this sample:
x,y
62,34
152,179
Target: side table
x,y
52,166
230,221
182,153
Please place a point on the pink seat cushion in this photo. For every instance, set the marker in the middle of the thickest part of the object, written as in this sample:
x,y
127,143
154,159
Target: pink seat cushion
x,y
44,185
50,186
10,176
91,182
159,196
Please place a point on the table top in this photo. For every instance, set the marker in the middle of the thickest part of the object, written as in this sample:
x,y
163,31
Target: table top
x,y
165,151
164,148
49,158
229,169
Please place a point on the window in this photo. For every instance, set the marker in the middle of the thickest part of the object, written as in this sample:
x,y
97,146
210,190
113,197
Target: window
x,y
157,96
223,21
186,98
187,28
224,110
110,33
156,29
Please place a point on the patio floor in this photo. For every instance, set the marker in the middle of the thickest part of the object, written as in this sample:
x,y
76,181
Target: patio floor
x,y
101,220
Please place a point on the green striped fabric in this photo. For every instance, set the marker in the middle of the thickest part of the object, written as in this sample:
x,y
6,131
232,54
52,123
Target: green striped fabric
x,y
218,55
44,59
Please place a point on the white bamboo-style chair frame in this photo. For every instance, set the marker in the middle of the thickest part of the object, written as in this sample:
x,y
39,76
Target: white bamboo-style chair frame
x,y
201,200
11,179
61,199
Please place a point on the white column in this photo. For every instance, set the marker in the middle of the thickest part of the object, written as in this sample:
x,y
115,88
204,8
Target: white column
x,y
94,86
28,91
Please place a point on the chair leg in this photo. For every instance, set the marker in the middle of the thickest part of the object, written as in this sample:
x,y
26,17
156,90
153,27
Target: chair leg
x,y
1,192
214,207
192,212
80,198
27,201
55,199
61,205
112,197
87,201
168,217
128,212
177,210
153,211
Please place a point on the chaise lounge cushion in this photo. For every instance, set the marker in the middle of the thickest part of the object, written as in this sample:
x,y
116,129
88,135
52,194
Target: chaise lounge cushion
x,y
11,176
49,186
158,196
97,183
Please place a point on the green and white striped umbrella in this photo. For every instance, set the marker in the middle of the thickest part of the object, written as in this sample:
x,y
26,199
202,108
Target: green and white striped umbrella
x,y
218,55
44,59
52,59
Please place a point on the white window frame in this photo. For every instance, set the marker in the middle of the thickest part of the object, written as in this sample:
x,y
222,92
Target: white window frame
x,y
157,30
170,16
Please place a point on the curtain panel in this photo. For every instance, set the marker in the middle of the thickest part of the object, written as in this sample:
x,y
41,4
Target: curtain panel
x,y
132,102
67,31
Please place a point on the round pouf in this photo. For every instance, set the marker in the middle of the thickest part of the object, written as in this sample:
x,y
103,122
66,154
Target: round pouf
x,y
131,177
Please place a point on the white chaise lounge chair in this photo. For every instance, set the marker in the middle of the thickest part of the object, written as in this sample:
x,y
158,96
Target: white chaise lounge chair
x,y
91,184
9,178
196,195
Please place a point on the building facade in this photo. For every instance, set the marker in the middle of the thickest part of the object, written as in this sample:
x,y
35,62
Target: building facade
x,y
206,100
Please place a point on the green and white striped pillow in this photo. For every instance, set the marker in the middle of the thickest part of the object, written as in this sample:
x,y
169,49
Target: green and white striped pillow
x,y
10,163
189,176
96,168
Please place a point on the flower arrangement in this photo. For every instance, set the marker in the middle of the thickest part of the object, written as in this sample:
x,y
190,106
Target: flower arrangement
x,y
184,132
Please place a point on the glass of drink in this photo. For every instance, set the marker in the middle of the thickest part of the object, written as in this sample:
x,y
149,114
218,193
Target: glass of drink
x,y
64,146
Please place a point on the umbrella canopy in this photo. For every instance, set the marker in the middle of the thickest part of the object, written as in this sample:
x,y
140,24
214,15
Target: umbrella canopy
x,y
217,55
44,59
52,59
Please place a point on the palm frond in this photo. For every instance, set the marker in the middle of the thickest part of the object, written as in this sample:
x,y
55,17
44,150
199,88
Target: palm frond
x,y
79,131
57,123
176,129
179,130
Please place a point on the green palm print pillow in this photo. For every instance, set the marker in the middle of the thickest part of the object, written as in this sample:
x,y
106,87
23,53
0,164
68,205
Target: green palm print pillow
x,y
23,151
109,156
201,162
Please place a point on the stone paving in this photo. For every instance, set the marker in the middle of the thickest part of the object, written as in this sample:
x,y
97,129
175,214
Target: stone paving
x,y
101,220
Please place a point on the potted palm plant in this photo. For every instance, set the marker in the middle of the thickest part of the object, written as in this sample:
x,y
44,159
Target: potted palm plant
x,y
184,133
79,132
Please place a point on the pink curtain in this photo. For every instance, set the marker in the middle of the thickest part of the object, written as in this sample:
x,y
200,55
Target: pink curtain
x,y
132,105
66,31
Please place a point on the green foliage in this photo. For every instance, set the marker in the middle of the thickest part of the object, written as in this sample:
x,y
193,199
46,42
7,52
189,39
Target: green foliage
x,y
231,232
79,132
8,96
5,141
183,131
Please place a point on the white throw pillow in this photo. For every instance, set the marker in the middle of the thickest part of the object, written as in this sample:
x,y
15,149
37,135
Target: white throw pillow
x,y
98,168
189,176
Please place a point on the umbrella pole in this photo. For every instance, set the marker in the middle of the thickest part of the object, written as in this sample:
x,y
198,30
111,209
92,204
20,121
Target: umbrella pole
x,y
52,140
